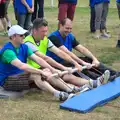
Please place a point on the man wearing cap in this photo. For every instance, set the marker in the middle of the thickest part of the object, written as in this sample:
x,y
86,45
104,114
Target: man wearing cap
x,y
13,58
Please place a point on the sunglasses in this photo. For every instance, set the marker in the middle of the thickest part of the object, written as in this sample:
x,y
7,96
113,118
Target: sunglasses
x,y
21,35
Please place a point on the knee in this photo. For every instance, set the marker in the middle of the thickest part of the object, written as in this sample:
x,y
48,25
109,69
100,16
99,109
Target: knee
x,y
34,77
67,77
47,70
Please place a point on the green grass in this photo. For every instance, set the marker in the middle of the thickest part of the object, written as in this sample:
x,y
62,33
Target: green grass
x,y
43,106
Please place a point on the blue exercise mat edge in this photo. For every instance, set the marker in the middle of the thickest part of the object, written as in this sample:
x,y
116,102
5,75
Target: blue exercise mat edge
x,y
100,103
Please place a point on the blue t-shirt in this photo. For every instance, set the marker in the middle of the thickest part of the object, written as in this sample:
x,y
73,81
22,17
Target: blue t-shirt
x,y
106,1
118,1
67,42
21,8
94,2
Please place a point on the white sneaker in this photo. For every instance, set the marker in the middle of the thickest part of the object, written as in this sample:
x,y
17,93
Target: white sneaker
x,y
85,87
96,36
63,96
103,79
105,35
71,96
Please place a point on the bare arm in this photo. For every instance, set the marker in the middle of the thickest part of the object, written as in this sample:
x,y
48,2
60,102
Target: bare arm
x,y
87,53
50,61
41,62
72,55
65,56
25,3
33,5
30,10
23,66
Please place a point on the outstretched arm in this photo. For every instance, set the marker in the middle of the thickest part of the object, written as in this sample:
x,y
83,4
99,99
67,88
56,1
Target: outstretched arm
x,y
51,61
63,48
41,62
23,66
87,53
65,56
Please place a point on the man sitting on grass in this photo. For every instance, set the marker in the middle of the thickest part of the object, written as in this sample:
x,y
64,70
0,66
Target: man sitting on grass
x,y
66,41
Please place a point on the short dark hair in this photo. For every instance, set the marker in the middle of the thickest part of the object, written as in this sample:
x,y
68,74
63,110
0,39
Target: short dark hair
x,y
63,21
39,22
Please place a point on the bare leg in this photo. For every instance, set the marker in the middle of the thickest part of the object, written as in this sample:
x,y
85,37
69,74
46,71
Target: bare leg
x,y
4,24
8,20
42,84
75,80
6,15
58,82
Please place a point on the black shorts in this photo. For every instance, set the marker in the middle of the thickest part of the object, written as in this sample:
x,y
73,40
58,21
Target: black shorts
x,y
2,10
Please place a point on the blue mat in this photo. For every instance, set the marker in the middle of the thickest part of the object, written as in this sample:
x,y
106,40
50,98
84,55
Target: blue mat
x,y
87,101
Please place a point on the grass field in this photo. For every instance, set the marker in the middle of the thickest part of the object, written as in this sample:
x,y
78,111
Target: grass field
x,y
43,106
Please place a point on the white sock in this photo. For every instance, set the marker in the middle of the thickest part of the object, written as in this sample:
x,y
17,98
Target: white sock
x,y
70,88
9,24
56,93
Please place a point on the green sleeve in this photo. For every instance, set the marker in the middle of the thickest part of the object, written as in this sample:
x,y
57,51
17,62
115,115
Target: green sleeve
x,y
8,56
30,52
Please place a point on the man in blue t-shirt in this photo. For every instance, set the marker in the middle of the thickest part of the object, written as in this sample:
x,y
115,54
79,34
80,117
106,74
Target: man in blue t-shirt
x,y
66,41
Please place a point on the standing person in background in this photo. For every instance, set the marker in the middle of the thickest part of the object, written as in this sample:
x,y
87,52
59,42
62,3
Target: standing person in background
x,y
15,8
40,12
92,18
25,8
2,15
101,12
66,9
6,14
118,7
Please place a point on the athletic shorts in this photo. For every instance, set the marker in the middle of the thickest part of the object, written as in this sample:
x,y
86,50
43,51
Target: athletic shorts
x,y
2,10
